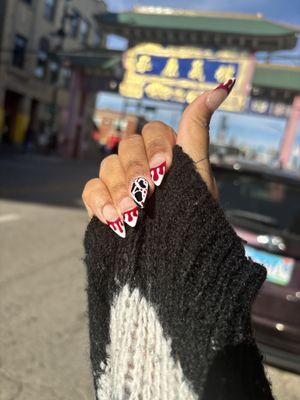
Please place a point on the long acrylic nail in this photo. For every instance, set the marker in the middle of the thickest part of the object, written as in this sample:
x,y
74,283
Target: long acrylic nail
x,y
158,173
217,96
129,211
113,220
131,216
139,190
228,85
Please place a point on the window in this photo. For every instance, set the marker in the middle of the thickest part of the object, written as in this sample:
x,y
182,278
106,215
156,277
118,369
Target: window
x,y
84,31
42,58
75,24
260,200
19,51
54,71
50,6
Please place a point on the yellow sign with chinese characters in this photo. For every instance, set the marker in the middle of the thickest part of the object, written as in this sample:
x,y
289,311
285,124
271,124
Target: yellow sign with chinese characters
x,y
180,74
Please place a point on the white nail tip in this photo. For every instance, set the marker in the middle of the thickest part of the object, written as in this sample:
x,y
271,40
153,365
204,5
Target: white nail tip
x,y
131,217
158,181
158,173
118,227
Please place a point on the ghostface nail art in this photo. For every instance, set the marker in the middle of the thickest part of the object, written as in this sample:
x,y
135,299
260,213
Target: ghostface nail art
x,y
131,216
118,227
139,191
158,173
228,85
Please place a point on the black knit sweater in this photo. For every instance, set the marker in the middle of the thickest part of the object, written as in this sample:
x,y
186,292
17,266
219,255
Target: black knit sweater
x,y
169,306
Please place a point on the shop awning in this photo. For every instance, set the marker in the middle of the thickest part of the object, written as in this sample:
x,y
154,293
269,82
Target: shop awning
x,y
102,59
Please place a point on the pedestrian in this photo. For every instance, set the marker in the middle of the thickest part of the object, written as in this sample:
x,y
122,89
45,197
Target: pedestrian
x,y
170,298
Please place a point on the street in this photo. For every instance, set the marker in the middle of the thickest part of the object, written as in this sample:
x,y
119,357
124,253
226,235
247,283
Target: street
x,y
44,346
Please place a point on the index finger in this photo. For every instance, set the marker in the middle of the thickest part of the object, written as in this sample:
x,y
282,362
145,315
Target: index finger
x,y
159,140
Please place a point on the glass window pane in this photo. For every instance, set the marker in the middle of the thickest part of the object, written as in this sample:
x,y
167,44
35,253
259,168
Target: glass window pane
x,y
42,58
19,51
84,31
75,24
50,9
256,198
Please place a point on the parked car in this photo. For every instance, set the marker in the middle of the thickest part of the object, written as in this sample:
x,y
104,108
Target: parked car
x,y
263,205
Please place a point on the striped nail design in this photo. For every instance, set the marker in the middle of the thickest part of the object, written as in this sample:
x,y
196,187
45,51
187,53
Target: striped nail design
x,y
131,217
158,173
139,191
228,85
118,227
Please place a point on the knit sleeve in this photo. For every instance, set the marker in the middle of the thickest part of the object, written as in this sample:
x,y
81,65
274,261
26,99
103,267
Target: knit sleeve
x,y
169,306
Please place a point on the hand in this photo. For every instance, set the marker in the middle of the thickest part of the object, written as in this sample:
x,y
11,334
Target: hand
x,y
125,180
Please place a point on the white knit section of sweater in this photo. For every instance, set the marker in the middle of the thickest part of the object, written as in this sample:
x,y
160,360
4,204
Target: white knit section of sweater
x,y
139,365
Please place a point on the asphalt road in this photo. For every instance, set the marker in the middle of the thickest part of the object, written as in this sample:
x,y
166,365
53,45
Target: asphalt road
x,y
44,348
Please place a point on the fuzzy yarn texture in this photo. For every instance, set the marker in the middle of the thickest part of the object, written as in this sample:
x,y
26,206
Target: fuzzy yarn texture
x,y
169,305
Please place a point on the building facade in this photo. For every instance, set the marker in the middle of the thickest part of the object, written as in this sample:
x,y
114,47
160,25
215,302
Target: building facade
x,y
34,83
112,126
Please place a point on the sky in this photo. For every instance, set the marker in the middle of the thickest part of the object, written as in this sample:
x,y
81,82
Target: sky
x,y
264,131
273,9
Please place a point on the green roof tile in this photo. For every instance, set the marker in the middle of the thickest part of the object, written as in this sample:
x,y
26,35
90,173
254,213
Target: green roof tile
x,y
247,25
277,77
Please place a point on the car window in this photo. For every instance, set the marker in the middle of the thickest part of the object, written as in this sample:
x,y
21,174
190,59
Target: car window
x,y
262,198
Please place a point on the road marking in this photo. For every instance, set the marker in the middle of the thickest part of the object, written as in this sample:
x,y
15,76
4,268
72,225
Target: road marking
x,y
9,217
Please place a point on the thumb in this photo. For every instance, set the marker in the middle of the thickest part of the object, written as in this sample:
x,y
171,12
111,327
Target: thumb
x,y
193,133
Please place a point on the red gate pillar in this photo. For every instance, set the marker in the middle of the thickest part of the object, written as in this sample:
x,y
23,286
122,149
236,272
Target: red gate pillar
x,y
290,134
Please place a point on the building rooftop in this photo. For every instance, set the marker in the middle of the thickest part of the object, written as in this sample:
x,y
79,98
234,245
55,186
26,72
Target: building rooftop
x,y
212,22
277,77
175,26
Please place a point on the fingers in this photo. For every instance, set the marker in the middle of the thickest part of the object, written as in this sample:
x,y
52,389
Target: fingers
x,y
193,135
126,179
159,140
95,196
145,159
108,198
133,158
113,176
98,202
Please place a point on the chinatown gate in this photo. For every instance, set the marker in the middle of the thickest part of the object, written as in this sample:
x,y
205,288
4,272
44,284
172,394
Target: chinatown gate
x,y
174,55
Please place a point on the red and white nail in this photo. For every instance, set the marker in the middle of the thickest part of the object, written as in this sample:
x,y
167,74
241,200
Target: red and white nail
x,y
228,85
158,173
113,220
118,227
131,216
220,94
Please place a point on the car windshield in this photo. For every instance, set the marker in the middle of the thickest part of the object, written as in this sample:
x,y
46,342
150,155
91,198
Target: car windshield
x,y
260,200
